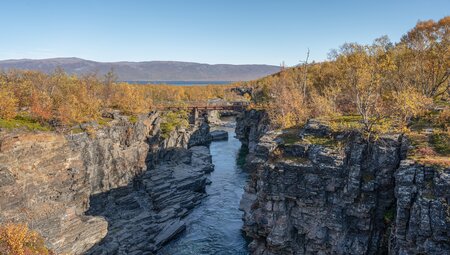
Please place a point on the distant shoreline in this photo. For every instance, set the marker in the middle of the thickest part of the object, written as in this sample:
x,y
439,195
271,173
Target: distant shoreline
x,y
182,83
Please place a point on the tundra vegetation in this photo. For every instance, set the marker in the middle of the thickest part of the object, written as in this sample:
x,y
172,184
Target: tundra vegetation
x,y
40,101
378,88
18,239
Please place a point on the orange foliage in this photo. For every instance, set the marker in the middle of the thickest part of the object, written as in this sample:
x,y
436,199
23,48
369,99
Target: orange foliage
x,y
18,239
386,84
67,100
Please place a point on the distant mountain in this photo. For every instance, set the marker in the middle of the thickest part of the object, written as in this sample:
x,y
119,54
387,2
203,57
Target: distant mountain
x,y
146,71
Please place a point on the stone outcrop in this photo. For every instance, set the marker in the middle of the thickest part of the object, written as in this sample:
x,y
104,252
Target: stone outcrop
x,y
218,135
147,213
250,127
213,118
50,180
422,222
328,193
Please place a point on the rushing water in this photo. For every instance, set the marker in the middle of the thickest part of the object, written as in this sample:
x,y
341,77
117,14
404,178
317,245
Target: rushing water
x,y
214,227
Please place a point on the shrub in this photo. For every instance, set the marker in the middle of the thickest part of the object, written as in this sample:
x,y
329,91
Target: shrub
x,y
18,239
131,99
41,106
8,104
172,120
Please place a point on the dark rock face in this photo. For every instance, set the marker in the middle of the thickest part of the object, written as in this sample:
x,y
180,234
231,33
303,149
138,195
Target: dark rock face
x,y
422,223
148,212
345,197
49,181
250,127
218,135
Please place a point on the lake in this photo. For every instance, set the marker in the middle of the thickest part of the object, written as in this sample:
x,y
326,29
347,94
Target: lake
x,y
182,83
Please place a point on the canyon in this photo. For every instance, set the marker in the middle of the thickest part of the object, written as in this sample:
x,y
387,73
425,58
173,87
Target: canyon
x,y
92,193
340,194
127,189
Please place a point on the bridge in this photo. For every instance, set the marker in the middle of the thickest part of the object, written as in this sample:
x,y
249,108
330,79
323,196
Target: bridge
x,y
234,106
196,108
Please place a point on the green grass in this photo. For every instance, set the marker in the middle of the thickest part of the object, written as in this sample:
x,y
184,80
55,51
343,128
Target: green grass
x,y
345,122
104,121
77,130
430,149
324,141
290,136
23,122
441,143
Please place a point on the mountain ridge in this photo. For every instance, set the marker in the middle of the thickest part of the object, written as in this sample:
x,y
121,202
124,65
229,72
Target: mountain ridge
x,y
158,70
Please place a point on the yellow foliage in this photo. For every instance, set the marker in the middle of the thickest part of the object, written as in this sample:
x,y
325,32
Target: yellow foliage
x,y
407,104
386,84
69,99
18,239
8,104
131,99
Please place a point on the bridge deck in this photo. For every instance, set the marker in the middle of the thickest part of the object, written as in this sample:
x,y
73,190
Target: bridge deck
x,y
205,107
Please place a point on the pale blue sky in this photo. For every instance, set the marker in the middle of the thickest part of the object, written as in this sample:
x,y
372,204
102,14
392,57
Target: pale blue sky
x,y
207,31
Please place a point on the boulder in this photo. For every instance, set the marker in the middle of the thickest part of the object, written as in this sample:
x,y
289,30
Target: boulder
x,y
218,135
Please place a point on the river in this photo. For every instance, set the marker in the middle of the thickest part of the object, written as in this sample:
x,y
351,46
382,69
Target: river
x,y
214,227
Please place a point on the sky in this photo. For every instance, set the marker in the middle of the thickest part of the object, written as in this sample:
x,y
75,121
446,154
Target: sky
x,y
205,31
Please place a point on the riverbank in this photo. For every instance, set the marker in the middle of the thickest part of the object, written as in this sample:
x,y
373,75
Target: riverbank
x,y
94,191
214,227
314,190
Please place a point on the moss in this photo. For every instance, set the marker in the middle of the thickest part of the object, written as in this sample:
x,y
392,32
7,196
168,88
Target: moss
x,y
348,118
242,155
389,215
104,121
430,149
298,160
441,143
324,141
76,130
133,119
290,136
172,120
24,122
345,122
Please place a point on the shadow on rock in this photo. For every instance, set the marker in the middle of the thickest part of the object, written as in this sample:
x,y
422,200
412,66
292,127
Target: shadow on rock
x,y
148,212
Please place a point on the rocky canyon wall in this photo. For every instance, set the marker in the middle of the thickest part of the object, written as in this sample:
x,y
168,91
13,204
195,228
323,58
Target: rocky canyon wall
x,y
80,189
320,192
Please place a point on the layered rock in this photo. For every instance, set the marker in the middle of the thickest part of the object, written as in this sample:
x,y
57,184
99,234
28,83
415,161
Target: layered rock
x,y
47,179
218,135
422,222
327,193
250,127
147,213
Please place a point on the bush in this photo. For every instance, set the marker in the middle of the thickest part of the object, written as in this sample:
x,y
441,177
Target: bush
x,y
18,239
131,99
172,120
8,104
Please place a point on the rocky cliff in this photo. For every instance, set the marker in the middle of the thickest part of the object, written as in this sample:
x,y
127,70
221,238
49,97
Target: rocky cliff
x,y
80,189
319,192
